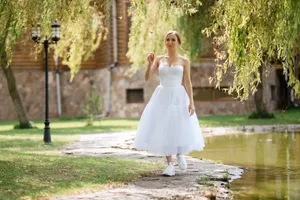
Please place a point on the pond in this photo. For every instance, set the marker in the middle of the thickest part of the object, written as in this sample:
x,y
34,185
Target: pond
x,y
272,162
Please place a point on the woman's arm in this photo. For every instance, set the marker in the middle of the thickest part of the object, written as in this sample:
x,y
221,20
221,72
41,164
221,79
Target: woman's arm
x,y
151,67
188,85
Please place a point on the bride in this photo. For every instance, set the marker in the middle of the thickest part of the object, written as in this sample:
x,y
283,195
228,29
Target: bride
x,y
169,124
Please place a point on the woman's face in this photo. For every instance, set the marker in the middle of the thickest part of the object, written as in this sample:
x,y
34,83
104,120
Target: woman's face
x,y
171,41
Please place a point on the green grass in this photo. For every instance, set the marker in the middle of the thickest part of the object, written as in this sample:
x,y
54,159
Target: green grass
x,y
36,176
31,169
291,116
78,126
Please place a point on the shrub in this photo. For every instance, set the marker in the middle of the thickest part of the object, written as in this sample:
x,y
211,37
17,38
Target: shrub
x,y
94,105
261,115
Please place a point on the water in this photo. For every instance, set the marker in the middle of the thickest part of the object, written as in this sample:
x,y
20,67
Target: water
x,y
272,163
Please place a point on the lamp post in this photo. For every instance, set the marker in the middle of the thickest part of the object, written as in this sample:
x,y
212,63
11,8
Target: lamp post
x,y
55,36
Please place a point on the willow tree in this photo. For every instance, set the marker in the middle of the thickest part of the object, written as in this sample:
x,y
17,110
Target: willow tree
x,y
82,29
250,36
152,19
247,35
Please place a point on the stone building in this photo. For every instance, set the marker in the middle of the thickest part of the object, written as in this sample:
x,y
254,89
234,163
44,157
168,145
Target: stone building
x,y
124,96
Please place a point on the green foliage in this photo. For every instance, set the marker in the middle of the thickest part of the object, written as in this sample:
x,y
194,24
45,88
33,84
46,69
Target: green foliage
x,y
94,105
82,26
190,27
246,36
261,115
249,34
150,22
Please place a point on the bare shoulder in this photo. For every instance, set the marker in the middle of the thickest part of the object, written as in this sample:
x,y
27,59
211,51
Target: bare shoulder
x,y
159,57
185,61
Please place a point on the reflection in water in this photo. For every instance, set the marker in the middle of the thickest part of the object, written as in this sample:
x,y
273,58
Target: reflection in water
x,y
272,161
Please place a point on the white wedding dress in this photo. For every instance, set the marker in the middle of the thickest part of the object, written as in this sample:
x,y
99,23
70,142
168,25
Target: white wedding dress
x,y
165,126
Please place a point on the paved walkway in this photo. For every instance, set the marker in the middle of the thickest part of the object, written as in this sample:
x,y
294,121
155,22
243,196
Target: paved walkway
x,y
202,180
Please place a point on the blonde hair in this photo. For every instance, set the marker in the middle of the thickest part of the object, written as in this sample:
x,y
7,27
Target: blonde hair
x,y
174,33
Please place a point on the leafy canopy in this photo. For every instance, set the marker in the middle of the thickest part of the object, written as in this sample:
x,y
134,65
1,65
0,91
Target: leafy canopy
x,y
150,22
246,34
252,34
82,26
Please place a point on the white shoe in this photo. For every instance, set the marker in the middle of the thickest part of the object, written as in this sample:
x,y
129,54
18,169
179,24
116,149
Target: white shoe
x,y
169,171
181,162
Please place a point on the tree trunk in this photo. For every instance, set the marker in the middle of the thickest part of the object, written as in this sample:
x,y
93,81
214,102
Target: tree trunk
x,y
261,111
11,83
258,96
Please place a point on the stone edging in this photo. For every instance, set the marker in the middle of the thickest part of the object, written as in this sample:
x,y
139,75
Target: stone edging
x,y
212,131
203,179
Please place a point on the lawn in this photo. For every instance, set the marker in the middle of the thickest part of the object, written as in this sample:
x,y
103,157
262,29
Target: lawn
x,y
31,169
291,116
78,126
37,176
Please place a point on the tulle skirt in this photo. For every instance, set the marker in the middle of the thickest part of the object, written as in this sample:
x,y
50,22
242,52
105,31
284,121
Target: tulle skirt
x,y
165,126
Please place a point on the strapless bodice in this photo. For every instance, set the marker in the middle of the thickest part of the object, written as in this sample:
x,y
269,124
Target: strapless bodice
x,y
170,76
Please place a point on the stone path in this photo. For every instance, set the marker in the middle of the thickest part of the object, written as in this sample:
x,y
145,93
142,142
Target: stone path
x,y
202,180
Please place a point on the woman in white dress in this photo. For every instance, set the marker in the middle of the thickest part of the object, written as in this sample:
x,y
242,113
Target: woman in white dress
x,y
169,124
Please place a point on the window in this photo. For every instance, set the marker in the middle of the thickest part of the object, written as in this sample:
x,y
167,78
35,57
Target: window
x,y
211,94
135,95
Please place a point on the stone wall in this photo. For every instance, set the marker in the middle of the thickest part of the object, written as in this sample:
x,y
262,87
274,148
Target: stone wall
x,y
30,84
31,87
200,78
73,93
120,83
199,74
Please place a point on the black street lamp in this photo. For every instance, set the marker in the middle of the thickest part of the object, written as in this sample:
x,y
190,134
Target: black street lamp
x,y
36,36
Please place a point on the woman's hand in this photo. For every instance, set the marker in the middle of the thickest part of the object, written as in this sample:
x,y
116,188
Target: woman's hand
x,y
191,109
150,58
152,66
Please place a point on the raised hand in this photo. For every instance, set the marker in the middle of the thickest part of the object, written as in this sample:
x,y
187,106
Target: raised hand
x,y
150,58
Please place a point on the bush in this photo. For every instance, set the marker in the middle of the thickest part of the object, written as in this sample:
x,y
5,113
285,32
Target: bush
x,y
94,105
261,115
